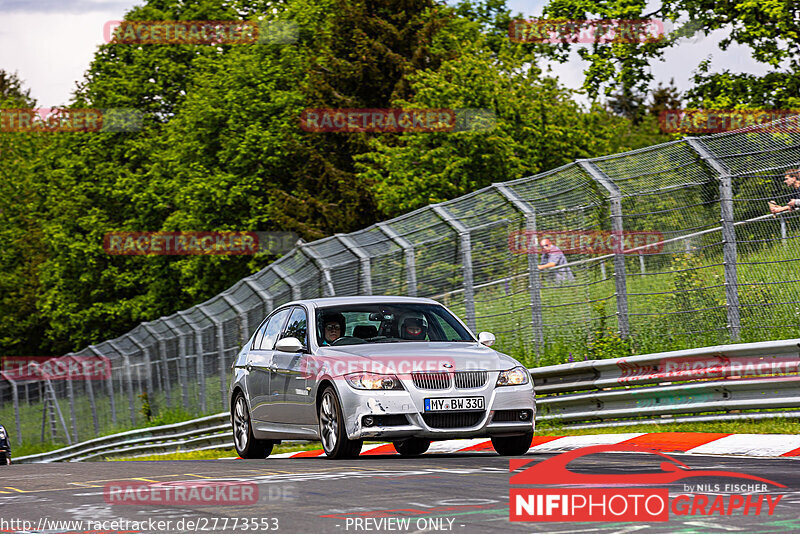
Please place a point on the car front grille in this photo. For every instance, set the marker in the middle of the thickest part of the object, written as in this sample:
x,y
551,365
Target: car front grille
x,y
431,380
471,379
453,420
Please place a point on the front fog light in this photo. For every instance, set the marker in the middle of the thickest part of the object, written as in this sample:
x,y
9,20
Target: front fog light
x,y
513,377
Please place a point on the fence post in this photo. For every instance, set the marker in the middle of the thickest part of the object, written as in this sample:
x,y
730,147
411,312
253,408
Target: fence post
x,y
244,321
90,394
620,279
223,382
728,234
71,394
162,348
322,264
128,381
408,252
363,258
295,287
534,279
147,362
262,293
183,371
15,398
199,364
109,386
465,244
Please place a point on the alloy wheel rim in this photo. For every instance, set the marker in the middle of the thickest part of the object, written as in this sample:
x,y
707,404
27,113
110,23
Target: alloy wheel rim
x,y
241,425
328,422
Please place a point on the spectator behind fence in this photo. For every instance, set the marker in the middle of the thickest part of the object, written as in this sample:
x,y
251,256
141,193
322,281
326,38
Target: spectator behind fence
x,y
792,179
553,258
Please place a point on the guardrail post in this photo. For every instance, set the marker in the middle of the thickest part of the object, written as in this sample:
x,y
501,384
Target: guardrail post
x,y
295,287
534,279
363,258
322,265
183,371
465,244
109,386
728,234
620,279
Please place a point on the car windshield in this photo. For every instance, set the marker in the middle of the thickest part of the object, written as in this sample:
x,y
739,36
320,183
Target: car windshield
x,y
388,323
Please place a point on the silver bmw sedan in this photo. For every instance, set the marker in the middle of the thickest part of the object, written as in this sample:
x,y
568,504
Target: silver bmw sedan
x,y
399,369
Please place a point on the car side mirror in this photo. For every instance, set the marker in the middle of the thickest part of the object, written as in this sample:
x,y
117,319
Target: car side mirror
x,y
289,344
486,338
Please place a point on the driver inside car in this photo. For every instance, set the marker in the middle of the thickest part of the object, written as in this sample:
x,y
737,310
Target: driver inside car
x,y
334,325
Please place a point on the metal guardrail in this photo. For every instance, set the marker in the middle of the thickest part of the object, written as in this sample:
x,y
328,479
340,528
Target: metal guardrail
x,y
143,441
729,379
722,383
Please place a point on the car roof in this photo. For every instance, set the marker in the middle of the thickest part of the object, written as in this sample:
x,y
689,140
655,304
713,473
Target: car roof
x,y
375,299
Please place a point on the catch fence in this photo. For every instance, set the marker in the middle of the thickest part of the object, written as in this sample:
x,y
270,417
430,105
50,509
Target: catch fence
x,y
722,270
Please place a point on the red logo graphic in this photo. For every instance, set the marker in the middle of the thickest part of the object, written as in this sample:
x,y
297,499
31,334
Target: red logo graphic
x,y
696,368
586,242
606,503
181,243
60,368
556,31
337,366
721,120
191,492
554,470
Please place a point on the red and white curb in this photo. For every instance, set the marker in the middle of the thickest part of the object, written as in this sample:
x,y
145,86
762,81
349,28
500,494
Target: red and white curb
x,y
761,445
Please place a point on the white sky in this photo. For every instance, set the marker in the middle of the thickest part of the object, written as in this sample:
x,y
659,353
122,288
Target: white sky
x,y
50,44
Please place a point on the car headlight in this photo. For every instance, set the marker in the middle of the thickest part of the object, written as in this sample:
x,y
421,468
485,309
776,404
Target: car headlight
x,y
2,432
513,377
373,381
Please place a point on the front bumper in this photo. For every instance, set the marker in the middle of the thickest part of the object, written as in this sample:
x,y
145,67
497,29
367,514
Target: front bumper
x,y
357,404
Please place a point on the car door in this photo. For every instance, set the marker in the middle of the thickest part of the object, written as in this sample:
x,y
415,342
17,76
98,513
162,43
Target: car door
x,y
288,381
259,362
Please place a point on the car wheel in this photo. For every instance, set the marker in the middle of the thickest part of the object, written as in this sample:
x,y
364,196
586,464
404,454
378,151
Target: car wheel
x,y
512,445
411,446
246,444
332,432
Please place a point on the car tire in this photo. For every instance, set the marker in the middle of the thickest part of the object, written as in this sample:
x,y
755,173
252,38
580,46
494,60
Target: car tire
x,y
332,431
247,446
411,446
512,445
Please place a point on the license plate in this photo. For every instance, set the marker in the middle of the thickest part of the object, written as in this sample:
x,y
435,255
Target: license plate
x,y
449,404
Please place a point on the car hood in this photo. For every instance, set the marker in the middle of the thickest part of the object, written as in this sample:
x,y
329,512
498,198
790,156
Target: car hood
x,y
413,357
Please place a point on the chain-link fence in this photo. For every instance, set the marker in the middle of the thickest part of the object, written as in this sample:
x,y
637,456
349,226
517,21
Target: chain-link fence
x,y
723,269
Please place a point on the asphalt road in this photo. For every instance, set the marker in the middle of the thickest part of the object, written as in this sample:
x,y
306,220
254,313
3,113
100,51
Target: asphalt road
x,y
462,493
